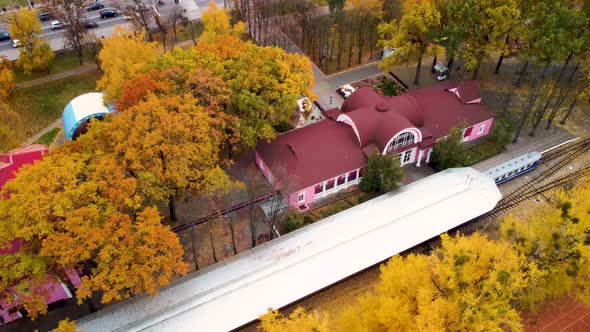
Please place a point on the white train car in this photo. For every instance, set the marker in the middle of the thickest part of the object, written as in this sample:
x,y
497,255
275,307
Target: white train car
x,y
237,291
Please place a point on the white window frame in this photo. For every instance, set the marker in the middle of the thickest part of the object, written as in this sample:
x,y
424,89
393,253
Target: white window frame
x,y
301,197
481,129
403,139
407,154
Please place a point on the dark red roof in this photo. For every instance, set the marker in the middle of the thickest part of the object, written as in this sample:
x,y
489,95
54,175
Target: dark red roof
x,y
11,161
333,113
314,153
329,148
469,91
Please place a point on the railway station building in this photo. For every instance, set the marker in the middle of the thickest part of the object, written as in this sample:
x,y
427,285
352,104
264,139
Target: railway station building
x,y
328,156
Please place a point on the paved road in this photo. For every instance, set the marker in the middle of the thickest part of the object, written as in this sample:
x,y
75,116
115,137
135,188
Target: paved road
x,y
105,26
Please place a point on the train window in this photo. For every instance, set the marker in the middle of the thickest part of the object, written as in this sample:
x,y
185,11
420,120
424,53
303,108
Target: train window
x,y
352,176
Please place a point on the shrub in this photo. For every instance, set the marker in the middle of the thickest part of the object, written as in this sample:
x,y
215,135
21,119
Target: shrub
x,y
283,126
381,174
388,88
292,220
307,219
501,132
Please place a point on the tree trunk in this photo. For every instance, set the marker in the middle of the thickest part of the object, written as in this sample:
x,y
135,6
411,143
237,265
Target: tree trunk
x,y
252,224
213,252
521,74
562,71
434,59
527,111
195,256
569,111
450,65
476,72
499,64
418,67
232,234
172,208
350,53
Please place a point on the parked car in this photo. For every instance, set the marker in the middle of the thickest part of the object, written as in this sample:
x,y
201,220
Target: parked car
x,y
106,13
88,24
345,90
45,17
15,43
4,36
56,24
95,6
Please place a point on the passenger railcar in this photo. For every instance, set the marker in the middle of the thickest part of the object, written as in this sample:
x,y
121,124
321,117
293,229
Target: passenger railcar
x,y
515,167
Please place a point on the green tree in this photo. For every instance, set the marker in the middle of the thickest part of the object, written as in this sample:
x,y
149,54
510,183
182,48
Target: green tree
x,y
551,31
382,173
412,37
448,151
35,53
453,30
487,22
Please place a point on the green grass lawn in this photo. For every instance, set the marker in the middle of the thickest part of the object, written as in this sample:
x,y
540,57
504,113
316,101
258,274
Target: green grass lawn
x,y
48,137
61,63
40,105
481,152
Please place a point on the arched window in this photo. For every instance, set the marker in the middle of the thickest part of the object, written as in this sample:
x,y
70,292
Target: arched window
x,y
401,140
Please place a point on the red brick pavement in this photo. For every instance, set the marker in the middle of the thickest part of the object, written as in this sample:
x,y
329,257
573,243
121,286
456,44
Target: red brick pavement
x,y
561,315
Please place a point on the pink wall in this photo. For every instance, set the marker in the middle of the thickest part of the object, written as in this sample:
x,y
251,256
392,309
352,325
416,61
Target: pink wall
x,y
488,126
309,196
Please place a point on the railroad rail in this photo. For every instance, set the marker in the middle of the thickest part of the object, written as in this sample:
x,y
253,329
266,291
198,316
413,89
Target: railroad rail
x,y
222,213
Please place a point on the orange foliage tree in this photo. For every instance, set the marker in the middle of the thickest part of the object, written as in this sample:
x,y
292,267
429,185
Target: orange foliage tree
x,y
76,209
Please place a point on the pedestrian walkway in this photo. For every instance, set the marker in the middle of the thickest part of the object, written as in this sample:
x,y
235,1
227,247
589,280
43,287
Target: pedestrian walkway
x,y
50,78
56,123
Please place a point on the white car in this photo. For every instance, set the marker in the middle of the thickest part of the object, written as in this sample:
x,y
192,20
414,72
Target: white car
x,y
346,90
15,43
56,25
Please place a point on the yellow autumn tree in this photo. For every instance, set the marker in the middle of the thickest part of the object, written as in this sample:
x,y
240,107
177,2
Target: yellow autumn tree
x,y
555,239
67,325
80,210
123,56
299,320
35,53
6,77
216,22
167,145
468,284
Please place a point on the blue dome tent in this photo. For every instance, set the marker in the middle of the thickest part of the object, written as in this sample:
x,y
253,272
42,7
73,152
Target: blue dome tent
x,y
80,110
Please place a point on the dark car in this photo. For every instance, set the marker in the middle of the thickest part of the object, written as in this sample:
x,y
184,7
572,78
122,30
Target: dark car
x,y
89,24
45,17
95,6
4,36
108,13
